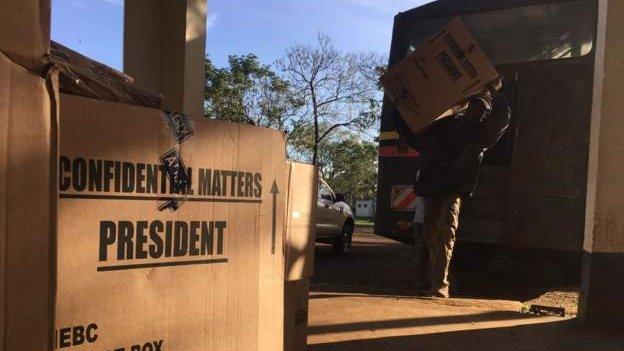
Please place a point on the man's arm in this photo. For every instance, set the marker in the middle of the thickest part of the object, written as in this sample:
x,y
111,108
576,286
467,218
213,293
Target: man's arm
x,y
494,126
424,141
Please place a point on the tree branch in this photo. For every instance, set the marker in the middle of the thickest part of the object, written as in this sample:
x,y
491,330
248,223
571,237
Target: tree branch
x,y
332,128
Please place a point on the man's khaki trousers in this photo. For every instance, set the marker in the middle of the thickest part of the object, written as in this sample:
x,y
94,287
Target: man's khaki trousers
x,y
438,239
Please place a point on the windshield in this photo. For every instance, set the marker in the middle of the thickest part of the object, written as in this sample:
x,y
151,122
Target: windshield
x,y
325,192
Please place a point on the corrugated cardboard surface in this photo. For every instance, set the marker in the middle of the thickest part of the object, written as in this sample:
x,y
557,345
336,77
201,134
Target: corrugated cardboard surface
x,y
83,76
25,203
228,300
296,315
25,30
301,219
441,73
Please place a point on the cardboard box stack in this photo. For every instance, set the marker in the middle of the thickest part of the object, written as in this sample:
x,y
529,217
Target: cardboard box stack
x,y
299,246
26,208
441,73
123,227
25,31
196,269
27,175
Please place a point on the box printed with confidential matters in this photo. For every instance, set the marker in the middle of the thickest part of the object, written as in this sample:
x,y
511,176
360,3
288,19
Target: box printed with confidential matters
x,y
201,274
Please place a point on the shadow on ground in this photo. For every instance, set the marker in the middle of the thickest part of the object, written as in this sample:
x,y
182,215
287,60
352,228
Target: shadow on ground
x,y
366,302
414,322
552,336
383,266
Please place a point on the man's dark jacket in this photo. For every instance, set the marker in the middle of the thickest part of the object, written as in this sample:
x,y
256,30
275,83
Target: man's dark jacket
x,y
452,148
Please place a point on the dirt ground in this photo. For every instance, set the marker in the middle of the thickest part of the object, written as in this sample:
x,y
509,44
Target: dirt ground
x,y
384,266
366,301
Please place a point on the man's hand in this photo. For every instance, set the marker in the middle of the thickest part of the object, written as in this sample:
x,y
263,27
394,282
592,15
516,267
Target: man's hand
x,y
495,86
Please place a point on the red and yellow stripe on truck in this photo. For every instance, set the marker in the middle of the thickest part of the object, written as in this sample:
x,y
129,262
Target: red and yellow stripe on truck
x,y
389,146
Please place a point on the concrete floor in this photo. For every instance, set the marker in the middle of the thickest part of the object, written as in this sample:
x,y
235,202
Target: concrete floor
x,y
363,303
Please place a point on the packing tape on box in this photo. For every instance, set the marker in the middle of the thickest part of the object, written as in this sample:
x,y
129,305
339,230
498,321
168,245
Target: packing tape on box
x,y
179,177
180,126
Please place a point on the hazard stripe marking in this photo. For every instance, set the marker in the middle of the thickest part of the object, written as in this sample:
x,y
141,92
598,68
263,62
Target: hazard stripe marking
x,y
388,135
393,151
403,198
409,200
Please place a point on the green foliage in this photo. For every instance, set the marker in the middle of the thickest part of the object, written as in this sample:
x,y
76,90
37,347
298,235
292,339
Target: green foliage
x,y
323,100
248,92
349,165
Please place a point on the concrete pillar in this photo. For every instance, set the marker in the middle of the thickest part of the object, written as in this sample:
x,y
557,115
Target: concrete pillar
x,y
602,285
164,50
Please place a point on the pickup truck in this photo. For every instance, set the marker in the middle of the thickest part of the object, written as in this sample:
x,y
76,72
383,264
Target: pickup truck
x,y
334,223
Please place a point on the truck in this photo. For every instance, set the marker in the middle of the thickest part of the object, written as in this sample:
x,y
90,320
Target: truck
x,y
533,182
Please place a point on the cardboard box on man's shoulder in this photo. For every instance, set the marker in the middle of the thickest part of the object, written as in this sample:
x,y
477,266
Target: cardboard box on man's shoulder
x,y
446,70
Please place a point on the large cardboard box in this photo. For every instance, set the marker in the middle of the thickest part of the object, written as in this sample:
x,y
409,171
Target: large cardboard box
x,y
27,206
296,315
25,31
301,221
299,246
207,276
439,74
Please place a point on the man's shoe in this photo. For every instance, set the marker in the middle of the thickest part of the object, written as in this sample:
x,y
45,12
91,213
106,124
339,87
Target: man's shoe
x,y
441,293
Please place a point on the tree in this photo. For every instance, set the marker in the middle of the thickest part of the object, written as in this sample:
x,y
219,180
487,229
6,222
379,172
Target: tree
x,y
249,92
335,89
349,164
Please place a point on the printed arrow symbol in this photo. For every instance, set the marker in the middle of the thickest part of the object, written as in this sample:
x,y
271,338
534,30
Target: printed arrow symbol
x,y
274,191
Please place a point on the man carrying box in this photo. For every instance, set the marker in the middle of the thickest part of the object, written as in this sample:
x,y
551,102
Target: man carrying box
x,y
452,149
446,69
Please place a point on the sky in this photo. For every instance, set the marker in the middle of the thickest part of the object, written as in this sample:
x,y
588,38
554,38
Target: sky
x,y
264,27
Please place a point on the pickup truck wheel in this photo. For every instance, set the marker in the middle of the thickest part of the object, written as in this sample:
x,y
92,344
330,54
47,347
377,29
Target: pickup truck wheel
x,y
342,243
